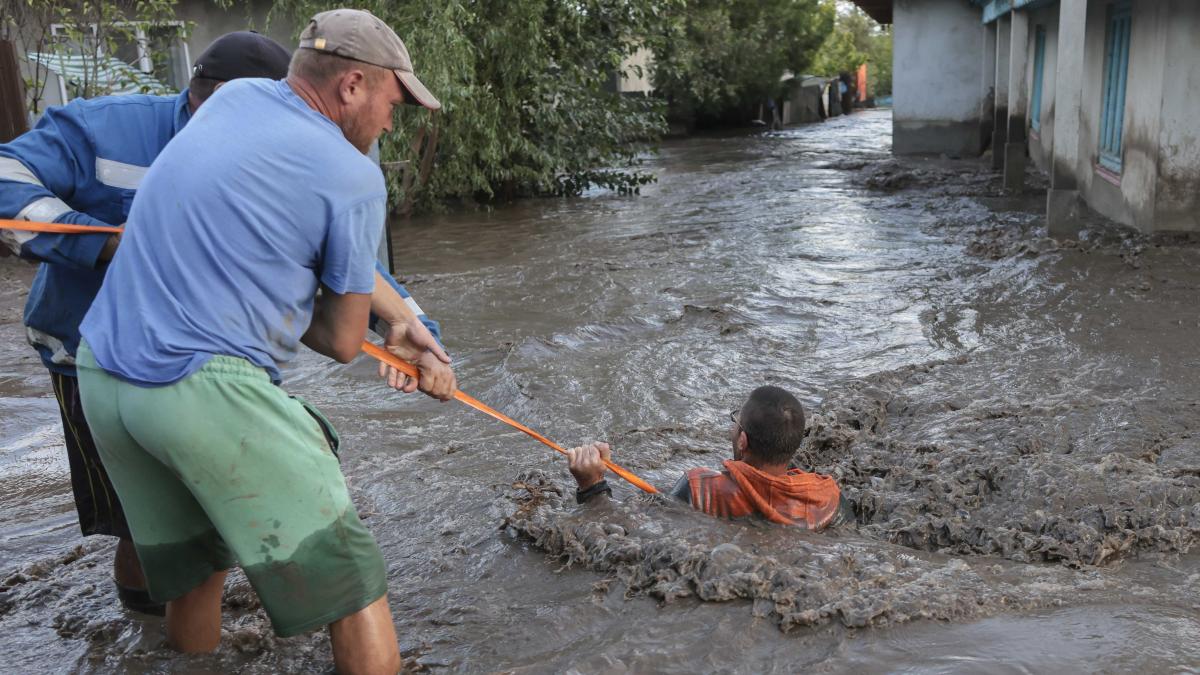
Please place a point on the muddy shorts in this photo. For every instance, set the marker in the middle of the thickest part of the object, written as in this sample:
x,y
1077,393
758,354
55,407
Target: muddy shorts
x,y
223,468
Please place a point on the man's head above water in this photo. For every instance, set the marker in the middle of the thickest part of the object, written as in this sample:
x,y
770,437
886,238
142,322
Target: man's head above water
x,y
768,428
767,432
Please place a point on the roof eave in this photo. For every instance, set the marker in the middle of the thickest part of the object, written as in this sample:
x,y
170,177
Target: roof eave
x,y
879,10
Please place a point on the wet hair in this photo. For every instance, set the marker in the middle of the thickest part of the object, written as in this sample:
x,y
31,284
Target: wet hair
x,y
202,87
321,67
774,424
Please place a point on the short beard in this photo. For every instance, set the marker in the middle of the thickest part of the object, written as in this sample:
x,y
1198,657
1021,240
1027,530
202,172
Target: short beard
x,y
358,137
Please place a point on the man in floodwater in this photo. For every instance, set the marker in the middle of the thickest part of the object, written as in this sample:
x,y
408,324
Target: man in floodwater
x,y
269,203
82,164
767,432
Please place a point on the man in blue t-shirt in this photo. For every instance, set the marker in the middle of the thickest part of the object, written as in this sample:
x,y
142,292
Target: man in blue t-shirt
x,y
262,221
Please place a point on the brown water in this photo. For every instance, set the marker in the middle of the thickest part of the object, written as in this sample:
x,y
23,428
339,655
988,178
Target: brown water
x,y
1014,419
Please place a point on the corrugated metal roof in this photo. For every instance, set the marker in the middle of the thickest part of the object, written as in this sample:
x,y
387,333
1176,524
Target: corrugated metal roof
x,y
107,74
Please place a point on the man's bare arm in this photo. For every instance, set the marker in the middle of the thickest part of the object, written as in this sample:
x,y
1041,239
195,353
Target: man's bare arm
x,y
339,324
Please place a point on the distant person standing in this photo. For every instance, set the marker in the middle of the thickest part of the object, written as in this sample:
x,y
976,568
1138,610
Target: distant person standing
x,y
846,90
776,122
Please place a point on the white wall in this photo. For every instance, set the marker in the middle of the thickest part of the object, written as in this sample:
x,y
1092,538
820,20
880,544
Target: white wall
x,y
1178,199
937,46
935,76
630,81
1099,194
1041,142
1131,197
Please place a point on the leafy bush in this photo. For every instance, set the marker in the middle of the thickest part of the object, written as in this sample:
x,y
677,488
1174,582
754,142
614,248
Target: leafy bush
x,y
856,39
724,57
526,88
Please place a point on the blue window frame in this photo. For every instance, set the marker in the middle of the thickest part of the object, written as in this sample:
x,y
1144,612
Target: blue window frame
x,y
1039,66
1116,68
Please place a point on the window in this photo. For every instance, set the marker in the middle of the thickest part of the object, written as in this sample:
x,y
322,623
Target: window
x,y
1116,67
1039,65
129,58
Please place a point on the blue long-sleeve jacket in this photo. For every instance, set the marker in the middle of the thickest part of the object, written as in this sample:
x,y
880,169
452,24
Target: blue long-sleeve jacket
x,y
82,164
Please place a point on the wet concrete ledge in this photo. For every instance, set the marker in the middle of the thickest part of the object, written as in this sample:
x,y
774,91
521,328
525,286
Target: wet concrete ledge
x,y
954,139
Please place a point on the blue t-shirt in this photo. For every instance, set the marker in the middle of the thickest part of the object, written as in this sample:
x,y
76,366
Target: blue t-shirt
x,y
257,200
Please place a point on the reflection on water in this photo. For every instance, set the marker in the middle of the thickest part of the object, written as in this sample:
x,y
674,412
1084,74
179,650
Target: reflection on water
x,y
642,321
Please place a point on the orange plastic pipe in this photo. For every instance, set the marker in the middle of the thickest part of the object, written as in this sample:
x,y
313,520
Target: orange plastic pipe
x,y
372,350
58,228
410,370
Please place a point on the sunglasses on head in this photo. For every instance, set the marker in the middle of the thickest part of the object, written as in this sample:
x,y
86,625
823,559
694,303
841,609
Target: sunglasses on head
x,y
734,416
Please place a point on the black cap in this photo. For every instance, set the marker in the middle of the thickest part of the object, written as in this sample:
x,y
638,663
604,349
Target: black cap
x,y
243,54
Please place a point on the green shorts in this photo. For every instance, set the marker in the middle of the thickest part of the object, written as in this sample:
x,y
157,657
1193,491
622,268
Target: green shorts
x,y
224,468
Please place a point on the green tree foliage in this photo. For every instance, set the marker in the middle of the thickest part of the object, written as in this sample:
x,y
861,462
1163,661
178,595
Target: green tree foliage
x,y
881,63
856,39
838,55
526,88
723,57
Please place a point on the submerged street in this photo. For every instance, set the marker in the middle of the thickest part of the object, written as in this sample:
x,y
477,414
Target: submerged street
x,y
1014,419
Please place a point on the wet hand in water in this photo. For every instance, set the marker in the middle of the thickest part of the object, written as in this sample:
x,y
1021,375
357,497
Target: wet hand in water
x,y
413,342
587,463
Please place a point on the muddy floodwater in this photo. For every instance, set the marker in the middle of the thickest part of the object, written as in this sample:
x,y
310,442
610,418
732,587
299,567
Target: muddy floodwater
x,y
1016,421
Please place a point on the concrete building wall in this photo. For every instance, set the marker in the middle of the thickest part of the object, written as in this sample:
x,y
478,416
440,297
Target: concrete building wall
x,y
1098,190
1003,45
937,98
1158,185
1143,110
1178,200
1130,197
1041,142
630,81
987,87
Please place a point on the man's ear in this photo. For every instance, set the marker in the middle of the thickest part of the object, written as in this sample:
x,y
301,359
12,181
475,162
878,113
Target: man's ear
x,y
351,85
742,442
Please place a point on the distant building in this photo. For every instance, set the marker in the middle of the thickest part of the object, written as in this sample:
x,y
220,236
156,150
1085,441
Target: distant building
x,y
157,59
1103,95
635,73
806,99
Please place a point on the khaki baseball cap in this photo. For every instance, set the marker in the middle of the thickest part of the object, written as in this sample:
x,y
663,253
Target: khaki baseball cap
x,y
360,35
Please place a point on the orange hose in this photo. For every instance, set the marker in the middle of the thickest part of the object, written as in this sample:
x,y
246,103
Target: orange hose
x,y
58,228
410,370
372,350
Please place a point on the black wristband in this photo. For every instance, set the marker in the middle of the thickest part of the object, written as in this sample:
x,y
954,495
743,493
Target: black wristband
x,y
582,496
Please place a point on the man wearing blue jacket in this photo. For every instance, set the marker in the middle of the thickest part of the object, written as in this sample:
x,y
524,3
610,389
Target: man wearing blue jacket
x,y
82,164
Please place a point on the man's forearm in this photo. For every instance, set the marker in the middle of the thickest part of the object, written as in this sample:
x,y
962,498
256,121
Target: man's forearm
x,y
387,304
380,325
